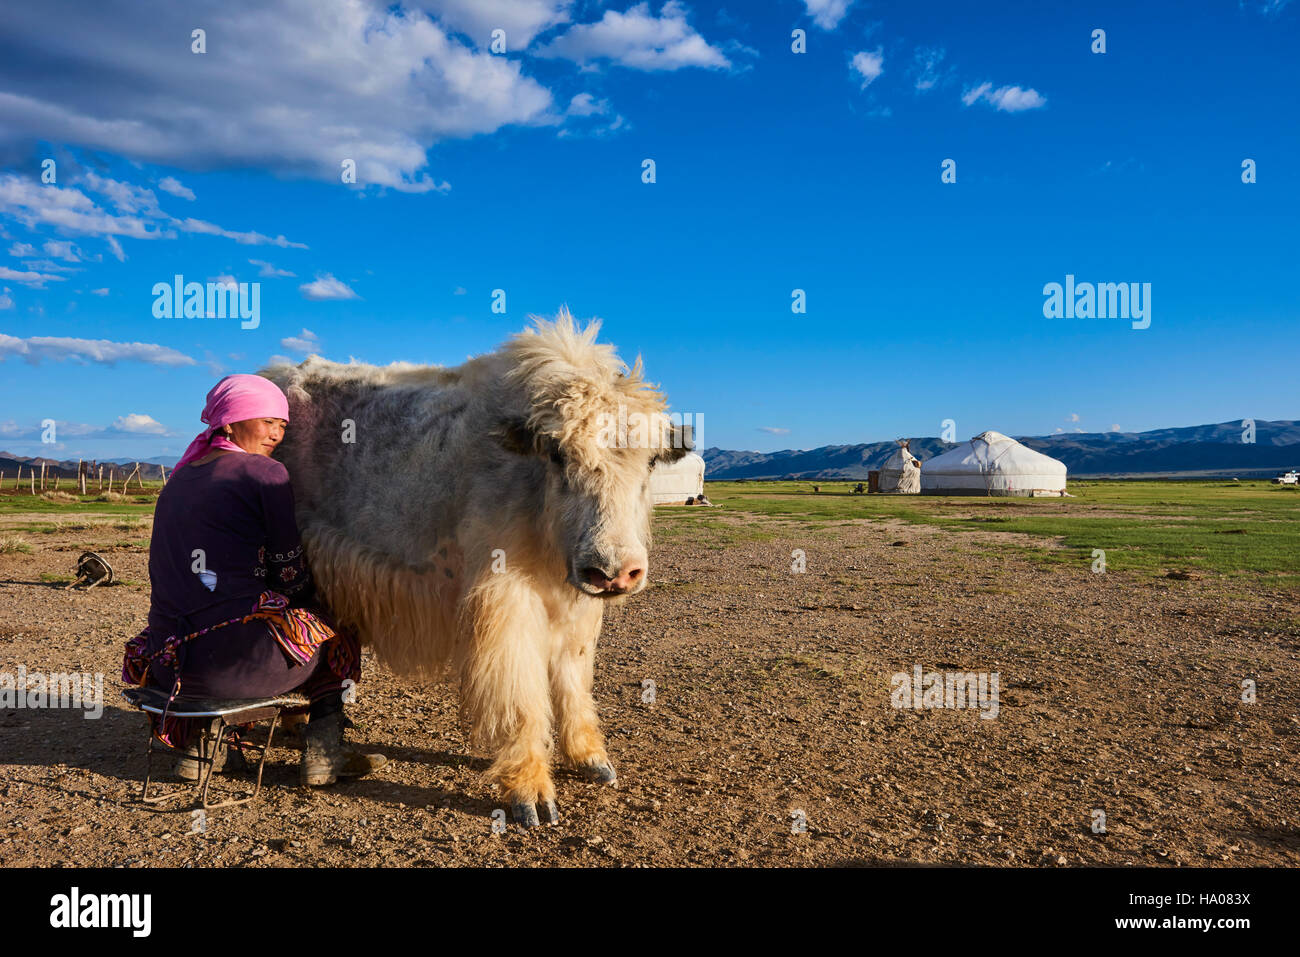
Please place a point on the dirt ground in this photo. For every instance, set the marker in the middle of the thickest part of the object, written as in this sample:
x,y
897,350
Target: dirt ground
x,y
1118,693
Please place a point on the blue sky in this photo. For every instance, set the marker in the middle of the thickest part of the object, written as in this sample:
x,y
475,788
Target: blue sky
x,y
775,171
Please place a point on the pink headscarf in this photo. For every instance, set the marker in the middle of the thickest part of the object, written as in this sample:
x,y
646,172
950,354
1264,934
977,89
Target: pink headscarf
x,y
234,399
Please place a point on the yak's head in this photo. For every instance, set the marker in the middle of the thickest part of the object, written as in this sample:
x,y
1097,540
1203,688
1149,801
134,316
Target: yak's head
x,y
594,429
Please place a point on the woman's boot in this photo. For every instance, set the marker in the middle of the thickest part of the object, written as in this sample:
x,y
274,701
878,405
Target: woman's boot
x,y
188,767
326,758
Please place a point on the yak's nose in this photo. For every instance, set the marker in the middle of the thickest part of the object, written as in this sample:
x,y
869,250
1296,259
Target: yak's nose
x,y
627,577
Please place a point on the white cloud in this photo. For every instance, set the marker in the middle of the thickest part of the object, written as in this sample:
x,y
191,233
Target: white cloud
x,y
6,300
520,19
1074,416
773,430
125,197
1116,428
1269,8
125,425
48,265
11,429
639,40
190,225
1057,430
1009,99
63,250
267,271
304,342
171,184
926,67
99,292
35,204
326,287
22,250
279,360
72,210
460,291
584,104
138,423
869,65
36,280
291,86
59,348
225,280
827,14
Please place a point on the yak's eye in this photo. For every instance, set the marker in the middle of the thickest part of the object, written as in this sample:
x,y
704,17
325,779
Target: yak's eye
x,y
653,460
557,457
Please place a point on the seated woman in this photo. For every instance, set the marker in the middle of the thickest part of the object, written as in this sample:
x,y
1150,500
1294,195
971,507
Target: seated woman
x,y
232,611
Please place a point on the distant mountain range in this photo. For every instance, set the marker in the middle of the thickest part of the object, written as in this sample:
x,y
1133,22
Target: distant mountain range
x,y
1207,450
67,468
1197,450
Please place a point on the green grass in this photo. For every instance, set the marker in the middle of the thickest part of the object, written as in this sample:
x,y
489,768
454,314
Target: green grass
x,y
13,544
1239,528
12,503
1226,528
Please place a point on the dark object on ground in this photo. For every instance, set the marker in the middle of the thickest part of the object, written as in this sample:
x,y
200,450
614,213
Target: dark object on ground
x,y
94,569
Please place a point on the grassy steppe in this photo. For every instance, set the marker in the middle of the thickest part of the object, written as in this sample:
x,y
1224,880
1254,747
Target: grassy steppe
x,y
1229,528
1247,528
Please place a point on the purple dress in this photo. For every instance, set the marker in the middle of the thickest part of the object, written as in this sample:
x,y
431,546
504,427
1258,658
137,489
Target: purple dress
x,y
223,533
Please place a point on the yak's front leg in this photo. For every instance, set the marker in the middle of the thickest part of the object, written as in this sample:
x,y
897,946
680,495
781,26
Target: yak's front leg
x,y
504,693
572,662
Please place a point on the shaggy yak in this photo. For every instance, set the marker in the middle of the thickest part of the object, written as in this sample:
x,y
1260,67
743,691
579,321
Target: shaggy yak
x,y
474,521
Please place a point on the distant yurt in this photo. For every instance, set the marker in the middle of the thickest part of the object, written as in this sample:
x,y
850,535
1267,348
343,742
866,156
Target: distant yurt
x,y
674,483
993,464
901,471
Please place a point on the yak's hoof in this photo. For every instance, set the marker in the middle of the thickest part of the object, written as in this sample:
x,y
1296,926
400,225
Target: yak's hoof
x,y
525,813
602,772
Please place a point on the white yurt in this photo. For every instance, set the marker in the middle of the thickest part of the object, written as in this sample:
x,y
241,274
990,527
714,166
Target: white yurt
x,y
992,464
901,471
674,483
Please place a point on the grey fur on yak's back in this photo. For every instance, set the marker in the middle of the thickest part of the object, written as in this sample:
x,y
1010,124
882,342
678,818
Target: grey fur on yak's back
x,y
451,463
373,486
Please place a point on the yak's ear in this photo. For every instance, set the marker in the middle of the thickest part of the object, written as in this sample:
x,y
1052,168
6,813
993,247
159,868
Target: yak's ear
x,y
515,436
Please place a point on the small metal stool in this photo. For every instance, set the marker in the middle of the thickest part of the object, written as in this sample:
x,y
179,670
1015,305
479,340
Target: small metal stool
x,y
227,713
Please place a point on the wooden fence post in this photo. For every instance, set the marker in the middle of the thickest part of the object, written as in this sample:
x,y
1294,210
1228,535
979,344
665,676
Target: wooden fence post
x,y
42,476
101,478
